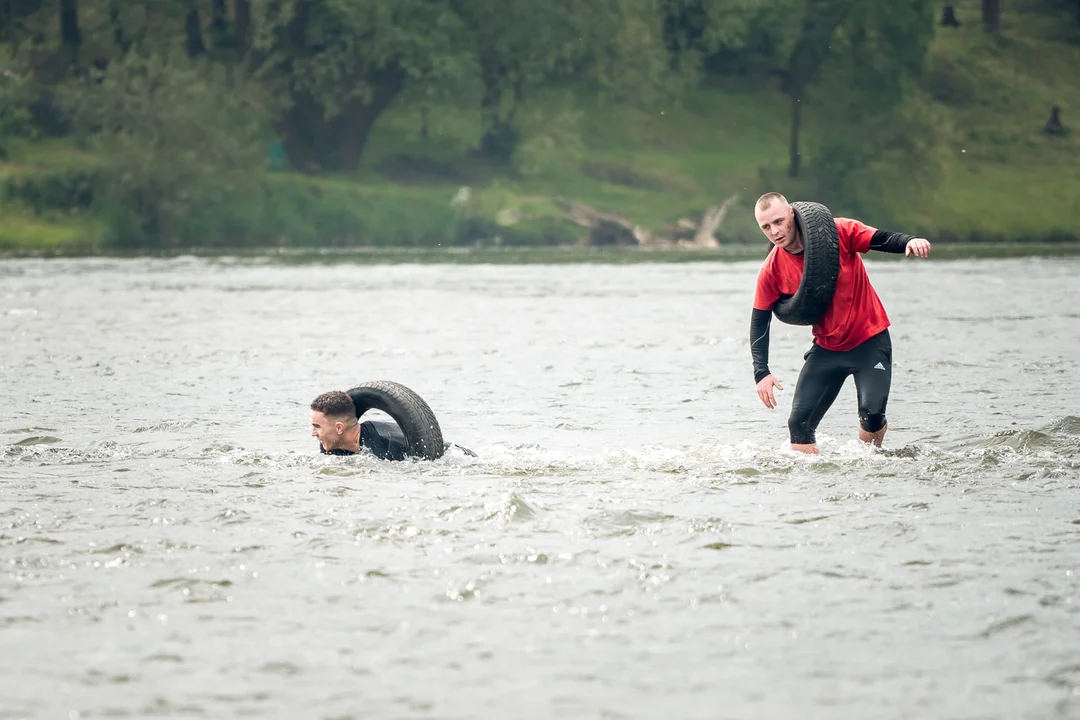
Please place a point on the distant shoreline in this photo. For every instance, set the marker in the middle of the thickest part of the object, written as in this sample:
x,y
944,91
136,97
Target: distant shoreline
x,y
558,255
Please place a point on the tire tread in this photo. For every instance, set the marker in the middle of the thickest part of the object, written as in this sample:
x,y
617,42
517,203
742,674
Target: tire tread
x,y
412,414
820,268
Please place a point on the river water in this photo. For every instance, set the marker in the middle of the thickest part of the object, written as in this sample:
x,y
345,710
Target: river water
x,y
634,539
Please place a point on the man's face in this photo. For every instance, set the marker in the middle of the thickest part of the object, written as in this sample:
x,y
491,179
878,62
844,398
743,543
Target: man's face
x,y
329,433
778,223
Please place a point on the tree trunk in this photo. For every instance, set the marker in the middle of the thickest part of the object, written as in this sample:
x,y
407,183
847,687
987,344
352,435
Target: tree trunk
x,y
794,156
360,117
490,105
500,139
118,27
7,21
819,25
219,18
991,15
303,128
314,144
243,25
296,29
195,44
70,35
300,128
948,17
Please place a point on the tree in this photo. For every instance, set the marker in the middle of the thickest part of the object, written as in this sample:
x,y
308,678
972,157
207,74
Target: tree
x,y
854,53
697,30
1061,6
193,29
786,39
119,37
175,134
147,25
877,138
14,113
219,21
623,52
13,16
70,34
242,25
991,15
820,20
521,46
518,45
341,63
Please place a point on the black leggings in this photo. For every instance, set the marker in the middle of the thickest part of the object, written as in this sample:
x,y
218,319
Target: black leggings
x,y
824,374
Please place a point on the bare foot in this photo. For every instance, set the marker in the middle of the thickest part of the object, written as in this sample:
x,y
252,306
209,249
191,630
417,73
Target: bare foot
x,y
875,437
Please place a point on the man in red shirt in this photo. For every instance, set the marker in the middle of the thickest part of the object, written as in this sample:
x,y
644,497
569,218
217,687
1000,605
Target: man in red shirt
x,y
851,338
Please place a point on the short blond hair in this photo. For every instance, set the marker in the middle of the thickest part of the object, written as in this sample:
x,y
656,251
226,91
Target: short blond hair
x,y
767,199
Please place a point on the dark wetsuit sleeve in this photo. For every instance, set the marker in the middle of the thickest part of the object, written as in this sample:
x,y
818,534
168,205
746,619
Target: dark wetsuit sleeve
x,y
759,342
383,440
890,242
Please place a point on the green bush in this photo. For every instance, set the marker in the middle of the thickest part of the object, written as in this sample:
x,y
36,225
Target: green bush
x,y
176,137
290,211
15,120
60,190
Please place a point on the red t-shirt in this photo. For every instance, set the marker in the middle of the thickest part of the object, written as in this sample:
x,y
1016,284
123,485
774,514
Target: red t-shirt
x,y
856,313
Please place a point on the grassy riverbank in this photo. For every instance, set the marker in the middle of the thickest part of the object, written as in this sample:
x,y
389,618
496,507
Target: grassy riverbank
x,y
564,255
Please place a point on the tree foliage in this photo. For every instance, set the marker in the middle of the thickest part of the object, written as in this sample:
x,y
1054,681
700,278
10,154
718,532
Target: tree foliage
x,y
177,95
342,63
176,134
875,132
15,119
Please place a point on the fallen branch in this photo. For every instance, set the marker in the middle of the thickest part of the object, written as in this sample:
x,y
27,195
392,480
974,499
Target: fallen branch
x,y
711,220
612,229
604,228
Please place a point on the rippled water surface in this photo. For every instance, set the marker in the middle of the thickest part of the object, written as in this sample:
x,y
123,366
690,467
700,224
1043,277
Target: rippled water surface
x,y
634,539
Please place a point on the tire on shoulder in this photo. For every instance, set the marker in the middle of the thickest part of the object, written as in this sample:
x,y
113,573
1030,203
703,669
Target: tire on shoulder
x,y
414,416
821,266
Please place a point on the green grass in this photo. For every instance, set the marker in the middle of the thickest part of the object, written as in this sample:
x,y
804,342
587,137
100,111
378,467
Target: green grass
x,y
22,233
1014,80
45,156
1005,180
652,167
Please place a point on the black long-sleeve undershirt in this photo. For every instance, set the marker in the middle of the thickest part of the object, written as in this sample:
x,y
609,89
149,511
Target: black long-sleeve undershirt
x,y
891,242
761,320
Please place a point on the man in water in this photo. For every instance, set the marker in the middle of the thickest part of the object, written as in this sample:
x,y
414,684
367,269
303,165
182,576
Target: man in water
x,y
851,338
339,431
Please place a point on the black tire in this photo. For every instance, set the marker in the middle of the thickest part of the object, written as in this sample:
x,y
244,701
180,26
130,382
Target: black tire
x,y
820,267
409,411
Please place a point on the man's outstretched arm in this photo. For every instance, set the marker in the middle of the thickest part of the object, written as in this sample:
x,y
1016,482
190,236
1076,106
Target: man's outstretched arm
x,y
760,320
893,242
